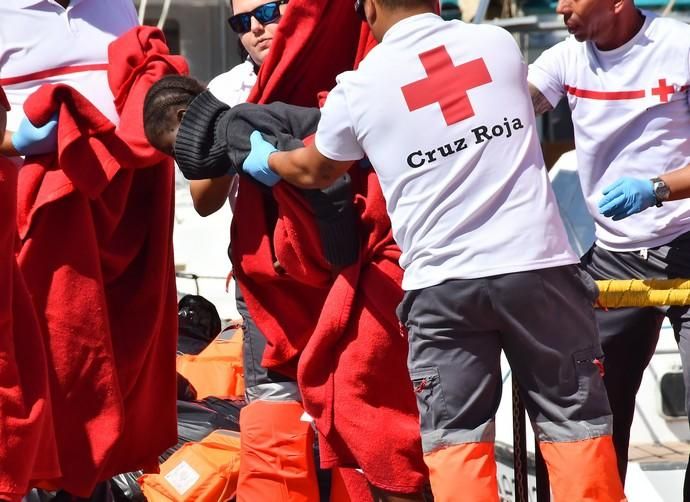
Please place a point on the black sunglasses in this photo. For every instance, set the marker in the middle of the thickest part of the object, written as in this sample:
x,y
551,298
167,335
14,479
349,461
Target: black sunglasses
x,y
266,13
359,9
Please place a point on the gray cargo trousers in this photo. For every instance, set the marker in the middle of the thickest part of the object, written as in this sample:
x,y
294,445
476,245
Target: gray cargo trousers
x,y
543,320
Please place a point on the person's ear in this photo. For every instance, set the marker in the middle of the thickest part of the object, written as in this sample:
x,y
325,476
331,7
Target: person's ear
x,y
619,5
179,114
371,11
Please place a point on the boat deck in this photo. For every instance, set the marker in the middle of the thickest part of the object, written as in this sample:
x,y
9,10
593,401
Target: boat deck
x,y
658,453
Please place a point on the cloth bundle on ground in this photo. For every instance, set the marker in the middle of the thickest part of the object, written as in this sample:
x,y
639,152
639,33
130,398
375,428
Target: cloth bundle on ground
x,y
27,448
95,222
339,337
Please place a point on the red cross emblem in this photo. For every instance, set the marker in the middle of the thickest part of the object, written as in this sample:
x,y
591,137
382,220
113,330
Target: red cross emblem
x,y
446,84
663,91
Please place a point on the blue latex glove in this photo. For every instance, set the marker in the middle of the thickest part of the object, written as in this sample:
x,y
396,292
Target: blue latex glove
x,y
626,197
31,140
256,163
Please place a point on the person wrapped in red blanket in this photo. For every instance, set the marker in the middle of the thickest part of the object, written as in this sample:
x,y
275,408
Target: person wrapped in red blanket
x,y
208,139
28,447
95,223
338,336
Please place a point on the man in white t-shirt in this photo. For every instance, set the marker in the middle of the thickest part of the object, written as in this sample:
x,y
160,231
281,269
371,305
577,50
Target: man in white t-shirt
x,y
625,75
440,111
56,41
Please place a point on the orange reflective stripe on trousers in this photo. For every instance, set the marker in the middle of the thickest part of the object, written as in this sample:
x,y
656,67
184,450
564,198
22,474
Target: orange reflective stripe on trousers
x,y
276,456
464,472
585,470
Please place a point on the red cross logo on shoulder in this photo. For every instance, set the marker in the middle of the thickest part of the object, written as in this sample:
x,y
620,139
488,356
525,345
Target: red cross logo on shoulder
x,y
663,90
446,84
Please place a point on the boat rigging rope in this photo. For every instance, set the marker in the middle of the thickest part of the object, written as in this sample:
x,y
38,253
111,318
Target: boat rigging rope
x,y
643,293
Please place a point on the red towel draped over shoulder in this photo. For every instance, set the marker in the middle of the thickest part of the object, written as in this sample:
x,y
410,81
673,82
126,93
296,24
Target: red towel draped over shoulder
x,y
95,222
339,336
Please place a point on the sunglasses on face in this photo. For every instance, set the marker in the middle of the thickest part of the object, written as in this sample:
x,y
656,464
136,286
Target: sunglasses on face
x,y
266,13
359,9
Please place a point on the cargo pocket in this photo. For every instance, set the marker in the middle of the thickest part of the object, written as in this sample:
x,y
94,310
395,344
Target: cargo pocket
x,y
590,286
589,370
430,400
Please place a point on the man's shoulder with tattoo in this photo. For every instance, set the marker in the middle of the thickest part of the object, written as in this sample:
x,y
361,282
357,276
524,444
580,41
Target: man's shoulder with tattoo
x,y
539,101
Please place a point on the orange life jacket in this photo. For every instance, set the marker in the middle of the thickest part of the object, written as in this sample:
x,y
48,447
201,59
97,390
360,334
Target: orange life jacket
x,y
206,471
217,370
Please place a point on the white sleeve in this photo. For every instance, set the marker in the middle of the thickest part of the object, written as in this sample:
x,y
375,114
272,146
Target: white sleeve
x,y
335,135
130,12
547,73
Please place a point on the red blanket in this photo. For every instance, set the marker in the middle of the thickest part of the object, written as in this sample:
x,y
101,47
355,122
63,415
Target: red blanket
x,y
27,449
95,222
339,336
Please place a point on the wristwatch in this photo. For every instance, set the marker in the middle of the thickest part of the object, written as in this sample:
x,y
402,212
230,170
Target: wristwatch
x,y
661,190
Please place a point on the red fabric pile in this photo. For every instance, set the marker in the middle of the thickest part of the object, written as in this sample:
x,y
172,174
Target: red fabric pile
x,y
339,336
95,222
27,449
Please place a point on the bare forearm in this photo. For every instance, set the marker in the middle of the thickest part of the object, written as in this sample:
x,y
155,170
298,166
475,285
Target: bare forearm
x,y
306,167
210,195
678,182
6,147
539,101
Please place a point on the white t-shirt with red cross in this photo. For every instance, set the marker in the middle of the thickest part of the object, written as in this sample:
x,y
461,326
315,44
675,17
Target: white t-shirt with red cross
x,y
442,110
631,113
42,42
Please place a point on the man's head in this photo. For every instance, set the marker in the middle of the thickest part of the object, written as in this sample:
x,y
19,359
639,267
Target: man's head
x,y
382,14
255,22
166,102
600,21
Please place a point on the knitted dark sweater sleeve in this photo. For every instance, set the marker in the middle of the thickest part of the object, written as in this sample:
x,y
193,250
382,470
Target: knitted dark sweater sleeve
x,y
284,126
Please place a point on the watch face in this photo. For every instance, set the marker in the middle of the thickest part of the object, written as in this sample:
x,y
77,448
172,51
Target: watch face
x,y
661,190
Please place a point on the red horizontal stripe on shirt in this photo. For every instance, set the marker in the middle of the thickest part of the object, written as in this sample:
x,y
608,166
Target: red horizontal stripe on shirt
x,y
604,95
52,72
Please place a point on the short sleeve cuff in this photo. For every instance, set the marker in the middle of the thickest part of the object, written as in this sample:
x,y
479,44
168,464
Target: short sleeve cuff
x,y
342,156
544,83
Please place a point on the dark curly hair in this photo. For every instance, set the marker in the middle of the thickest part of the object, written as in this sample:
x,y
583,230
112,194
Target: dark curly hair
x,y
173,91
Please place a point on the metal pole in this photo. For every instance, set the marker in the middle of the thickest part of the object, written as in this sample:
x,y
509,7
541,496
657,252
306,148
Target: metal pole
x,y
480,15
223,33
519,446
